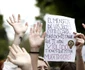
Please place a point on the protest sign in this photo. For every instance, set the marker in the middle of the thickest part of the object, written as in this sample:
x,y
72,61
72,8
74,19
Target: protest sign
x,y
59,40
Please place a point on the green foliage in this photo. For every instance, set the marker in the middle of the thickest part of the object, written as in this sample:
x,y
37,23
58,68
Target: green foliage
x,y
1,21
3,49
3,41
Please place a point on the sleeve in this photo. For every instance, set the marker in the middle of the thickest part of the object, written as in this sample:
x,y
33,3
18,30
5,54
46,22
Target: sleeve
x,y
9,66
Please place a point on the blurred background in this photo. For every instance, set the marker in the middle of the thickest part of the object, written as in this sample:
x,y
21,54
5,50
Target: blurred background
x,y
33,11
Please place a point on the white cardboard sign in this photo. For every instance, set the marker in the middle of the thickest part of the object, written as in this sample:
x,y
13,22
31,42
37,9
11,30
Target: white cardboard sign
x,y
59,40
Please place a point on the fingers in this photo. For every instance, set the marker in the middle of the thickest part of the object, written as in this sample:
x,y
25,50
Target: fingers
x,y
79,41
79,35
83,25
9,22
37,28
33,29
10,19
19,18
40,27
74,32
12,51
14,18
11,59
17,49
24,50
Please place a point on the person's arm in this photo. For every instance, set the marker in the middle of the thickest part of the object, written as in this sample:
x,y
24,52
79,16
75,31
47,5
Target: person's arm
x,y
22,58
19,29
79,44
35,40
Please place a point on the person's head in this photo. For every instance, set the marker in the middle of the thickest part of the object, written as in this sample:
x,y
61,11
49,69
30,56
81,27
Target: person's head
x,y
68,66
42,64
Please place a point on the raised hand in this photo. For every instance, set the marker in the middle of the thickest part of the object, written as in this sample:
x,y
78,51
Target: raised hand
x,y
35,37
79,45
17,26
21,57
79,41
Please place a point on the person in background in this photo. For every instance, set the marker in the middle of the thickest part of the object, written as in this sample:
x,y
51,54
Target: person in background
x,y
42,64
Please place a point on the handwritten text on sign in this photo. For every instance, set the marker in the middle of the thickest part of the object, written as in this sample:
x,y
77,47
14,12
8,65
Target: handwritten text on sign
x,y
59,41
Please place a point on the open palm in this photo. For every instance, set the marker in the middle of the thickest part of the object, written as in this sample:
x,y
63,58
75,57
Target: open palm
x,y
17,26
35,38
21,56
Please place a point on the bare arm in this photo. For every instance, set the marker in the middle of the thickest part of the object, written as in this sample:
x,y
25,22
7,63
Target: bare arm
x,y
79,44
35,40
19,29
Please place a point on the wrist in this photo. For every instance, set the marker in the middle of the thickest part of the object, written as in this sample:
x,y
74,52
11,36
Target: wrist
x,y
27,66
17,39
19,35
34,49
78,54
33,52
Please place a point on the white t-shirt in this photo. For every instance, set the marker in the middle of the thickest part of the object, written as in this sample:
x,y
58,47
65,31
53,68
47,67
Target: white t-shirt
x,y
9,66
